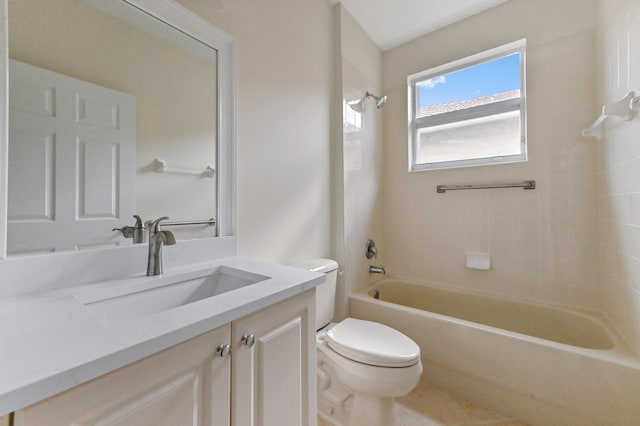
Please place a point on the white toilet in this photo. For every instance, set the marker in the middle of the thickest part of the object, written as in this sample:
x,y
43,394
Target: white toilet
x,y
362,365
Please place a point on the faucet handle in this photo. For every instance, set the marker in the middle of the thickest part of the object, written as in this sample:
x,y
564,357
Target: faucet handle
x,y
155,225
370,249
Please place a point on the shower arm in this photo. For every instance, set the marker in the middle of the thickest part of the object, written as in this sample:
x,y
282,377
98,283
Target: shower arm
x,y
380,100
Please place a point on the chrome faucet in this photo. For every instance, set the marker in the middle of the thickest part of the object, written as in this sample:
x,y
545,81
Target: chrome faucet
x,y
157,238
376,269
136,231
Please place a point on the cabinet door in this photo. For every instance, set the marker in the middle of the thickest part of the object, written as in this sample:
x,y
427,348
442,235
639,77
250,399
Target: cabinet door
x,y
273,373
184,385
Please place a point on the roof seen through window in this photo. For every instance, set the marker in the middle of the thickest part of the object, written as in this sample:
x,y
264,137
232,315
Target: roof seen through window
x,y
477,81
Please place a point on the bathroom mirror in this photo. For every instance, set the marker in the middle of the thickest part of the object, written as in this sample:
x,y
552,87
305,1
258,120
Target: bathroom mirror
x,y
115,108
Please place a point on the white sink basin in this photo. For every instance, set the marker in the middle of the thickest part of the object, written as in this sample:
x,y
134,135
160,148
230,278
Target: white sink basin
x,y
142,297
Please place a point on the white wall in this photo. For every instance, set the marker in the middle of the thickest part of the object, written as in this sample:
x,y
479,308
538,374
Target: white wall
x,y
618,167
543,243
284,86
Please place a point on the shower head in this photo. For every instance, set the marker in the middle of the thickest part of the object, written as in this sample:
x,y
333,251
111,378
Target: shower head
x,y
380,100
358,106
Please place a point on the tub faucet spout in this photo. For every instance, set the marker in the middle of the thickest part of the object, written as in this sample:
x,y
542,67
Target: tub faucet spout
x,y
376,269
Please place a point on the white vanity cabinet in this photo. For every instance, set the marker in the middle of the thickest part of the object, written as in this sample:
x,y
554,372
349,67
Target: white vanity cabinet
x,y
267,379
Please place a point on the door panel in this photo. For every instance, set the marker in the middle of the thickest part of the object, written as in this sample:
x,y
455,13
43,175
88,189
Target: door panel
x,y
282,374
71,161
187,385
274,379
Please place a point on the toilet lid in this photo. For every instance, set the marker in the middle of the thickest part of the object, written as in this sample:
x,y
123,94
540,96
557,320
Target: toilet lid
x,y
372,343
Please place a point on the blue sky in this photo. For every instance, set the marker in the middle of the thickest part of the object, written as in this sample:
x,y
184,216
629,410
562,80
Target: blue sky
x,y
499,75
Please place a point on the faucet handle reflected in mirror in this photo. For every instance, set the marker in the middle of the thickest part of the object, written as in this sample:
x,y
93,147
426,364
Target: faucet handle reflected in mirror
x,y
136,231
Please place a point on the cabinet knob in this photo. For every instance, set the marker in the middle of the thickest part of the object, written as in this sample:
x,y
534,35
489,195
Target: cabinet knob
x,y
223,351
248,340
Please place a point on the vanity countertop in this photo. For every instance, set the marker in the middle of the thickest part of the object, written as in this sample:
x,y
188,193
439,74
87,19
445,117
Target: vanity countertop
x,y
51,342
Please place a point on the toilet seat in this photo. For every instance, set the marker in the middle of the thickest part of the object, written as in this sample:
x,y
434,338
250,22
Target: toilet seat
x,y
372,343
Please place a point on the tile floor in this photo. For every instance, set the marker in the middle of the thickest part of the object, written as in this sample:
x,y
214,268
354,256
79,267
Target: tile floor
x,y
428,405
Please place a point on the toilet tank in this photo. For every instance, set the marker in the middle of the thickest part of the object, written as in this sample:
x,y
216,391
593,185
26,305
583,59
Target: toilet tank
x,y
325,293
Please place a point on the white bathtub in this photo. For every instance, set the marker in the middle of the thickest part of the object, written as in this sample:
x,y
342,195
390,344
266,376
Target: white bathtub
x,y
537,363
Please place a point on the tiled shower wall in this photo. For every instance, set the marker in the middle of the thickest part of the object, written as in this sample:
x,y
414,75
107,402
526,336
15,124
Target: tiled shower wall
x,y
618,165
543,243
362,155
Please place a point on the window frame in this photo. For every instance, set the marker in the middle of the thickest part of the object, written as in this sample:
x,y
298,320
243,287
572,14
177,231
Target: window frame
x,y
508,105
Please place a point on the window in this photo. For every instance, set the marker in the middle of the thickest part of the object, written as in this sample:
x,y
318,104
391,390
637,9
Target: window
x,y
469,112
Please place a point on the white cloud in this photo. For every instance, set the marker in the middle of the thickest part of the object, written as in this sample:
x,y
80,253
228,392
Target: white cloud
x,y
433,82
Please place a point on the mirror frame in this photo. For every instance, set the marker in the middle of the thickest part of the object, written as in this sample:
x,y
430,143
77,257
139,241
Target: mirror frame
x,y
191,24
